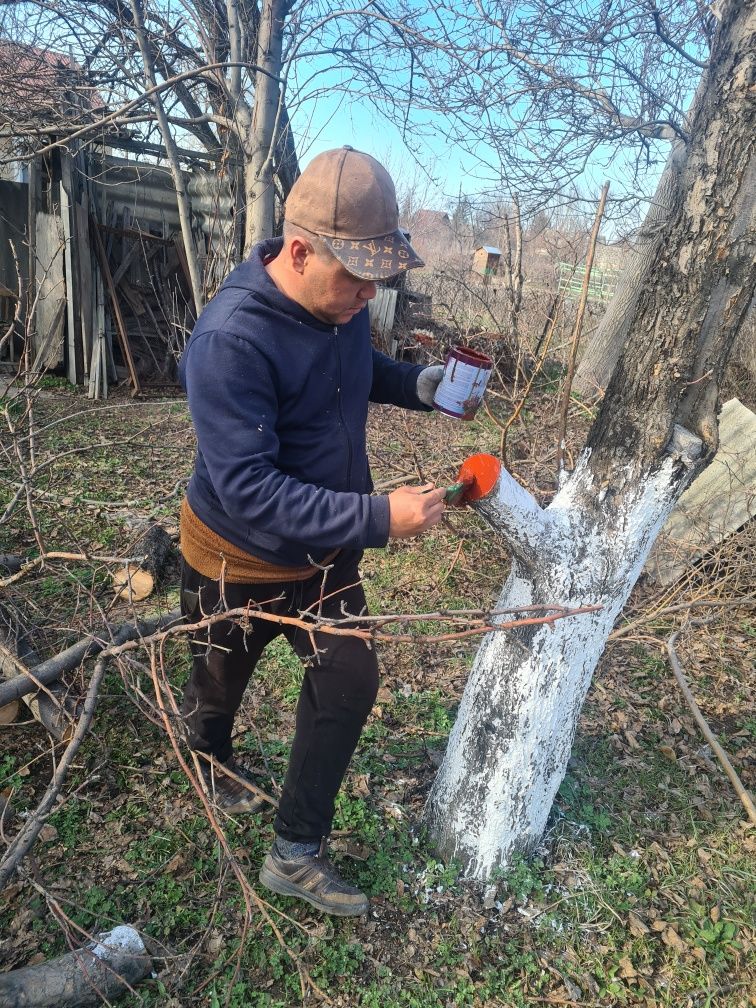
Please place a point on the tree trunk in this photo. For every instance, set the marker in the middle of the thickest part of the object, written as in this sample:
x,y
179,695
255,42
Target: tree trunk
x,y
508,751
87,976
603,349
182,198
259,172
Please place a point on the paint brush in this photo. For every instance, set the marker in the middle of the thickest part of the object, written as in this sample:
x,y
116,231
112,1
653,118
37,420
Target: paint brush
x,y
456,493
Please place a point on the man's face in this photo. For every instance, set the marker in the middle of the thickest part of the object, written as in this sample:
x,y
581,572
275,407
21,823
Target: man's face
x,y
332,294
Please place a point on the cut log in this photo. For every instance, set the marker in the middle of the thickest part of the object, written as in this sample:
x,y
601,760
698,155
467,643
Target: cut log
x,y
154,555
132,584
156,552
87,976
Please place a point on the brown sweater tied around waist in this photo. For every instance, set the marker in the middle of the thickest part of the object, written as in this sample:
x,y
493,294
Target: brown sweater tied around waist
x,y
212,555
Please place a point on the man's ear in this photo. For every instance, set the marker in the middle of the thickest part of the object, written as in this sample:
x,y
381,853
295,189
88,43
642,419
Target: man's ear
x,y
299,249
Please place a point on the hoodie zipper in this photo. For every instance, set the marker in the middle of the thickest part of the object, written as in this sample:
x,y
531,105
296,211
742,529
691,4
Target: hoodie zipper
x,y
341,412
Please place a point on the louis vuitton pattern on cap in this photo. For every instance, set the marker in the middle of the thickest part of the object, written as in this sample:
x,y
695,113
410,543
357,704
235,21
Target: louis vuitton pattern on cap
x,y
348,199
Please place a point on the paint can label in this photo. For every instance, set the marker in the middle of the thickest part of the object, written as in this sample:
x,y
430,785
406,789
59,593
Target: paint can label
x,y
460,391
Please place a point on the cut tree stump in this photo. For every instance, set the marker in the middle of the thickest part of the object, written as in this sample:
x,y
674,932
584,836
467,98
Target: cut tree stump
x,y
154,554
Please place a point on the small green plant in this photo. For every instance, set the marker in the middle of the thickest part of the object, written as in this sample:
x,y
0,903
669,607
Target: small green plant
x,y
578,805
709,932
282,671
523,878
9,778
354,816
70,821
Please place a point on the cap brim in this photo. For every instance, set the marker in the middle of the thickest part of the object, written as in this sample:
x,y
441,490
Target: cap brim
x,y
374,258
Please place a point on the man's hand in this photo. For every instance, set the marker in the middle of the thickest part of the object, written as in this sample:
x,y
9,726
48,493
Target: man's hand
x,y
414,509
428,381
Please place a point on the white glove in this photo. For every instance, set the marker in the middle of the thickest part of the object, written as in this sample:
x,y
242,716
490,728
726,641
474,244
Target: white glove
x,y
428,381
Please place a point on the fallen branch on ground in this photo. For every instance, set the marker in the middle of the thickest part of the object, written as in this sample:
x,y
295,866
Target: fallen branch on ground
x,y
85,976
706,731
53,668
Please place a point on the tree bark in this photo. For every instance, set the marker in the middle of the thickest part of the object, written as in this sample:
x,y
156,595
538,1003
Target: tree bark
x,y
260,186
508,751
603,349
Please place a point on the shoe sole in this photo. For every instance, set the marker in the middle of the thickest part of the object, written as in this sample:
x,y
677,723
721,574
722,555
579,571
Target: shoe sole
x,y
285,888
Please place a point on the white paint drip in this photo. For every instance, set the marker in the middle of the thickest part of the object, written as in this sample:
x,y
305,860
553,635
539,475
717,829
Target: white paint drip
x,y
509,747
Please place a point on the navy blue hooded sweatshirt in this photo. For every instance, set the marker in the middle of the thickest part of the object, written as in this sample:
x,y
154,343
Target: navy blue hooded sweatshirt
x,y
279,404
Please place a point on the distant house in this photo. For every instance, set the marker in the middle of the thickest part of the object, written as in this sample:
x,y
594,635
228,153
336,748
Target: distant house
x,y
486,260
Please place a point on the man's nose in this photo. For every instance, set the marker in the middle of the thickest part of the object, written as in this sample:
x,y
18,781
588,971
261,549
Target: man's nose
x,y
368,290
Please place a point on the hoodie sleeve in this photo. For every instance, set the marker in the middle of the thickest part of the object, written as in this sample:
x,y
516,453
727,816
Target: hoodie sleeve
x,y
232,398
395,382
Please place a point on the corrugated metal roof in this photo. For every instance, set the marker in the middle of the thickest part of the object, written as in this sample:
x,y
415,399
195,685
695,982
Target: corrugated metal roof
x,y
491,249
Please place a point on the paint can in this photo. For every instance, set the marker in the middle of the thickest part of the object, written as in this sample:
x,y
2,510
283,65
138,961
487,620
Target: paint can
x,y
460,391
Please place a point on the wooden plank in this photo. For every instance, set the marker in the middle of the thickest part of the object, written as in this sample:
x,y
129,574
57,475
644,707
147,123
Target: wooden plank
x,y
718,503
382,309
52,339
98,369
86,292
51,291
74,357
120,326
183,261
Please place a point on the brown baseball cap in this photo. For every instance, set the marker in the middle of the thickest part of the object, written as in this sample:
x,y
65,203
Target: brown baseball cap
x,y
348,199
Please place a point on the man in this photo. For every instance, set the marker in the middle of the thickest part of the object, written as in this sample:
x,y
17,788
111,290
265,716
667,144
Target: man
x,y
279,370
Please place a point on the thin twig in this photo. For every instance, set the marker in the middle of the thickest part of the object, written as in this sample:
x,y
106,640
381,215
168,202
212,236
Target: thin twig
x,y
706,731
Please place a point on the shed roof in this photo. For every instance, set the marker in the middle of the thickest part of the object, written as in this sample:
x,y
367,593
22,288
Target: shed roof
x,y
490,249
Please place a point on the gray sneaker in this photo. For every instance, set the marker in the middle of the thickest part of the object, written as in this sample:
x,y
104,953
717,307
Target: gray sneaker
x,y
313,878
231,788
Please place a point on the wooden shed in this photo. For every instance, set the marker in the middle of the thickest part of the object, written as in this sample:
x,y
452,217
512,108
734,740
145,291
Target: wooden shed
x,y
486,260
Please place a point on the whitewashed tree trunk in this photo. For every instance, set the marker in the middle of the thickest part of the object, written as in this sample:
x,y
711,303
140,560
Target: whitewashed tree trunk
x,y
656,429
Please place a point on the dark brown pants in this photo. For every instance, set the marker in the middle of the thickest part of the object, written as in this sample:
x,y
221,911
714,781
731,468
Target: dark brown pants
x,y
337,694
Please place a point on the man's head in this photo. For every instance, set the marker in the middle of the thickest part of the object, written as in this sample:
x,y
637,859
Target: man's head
x,y
348,199
341,234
